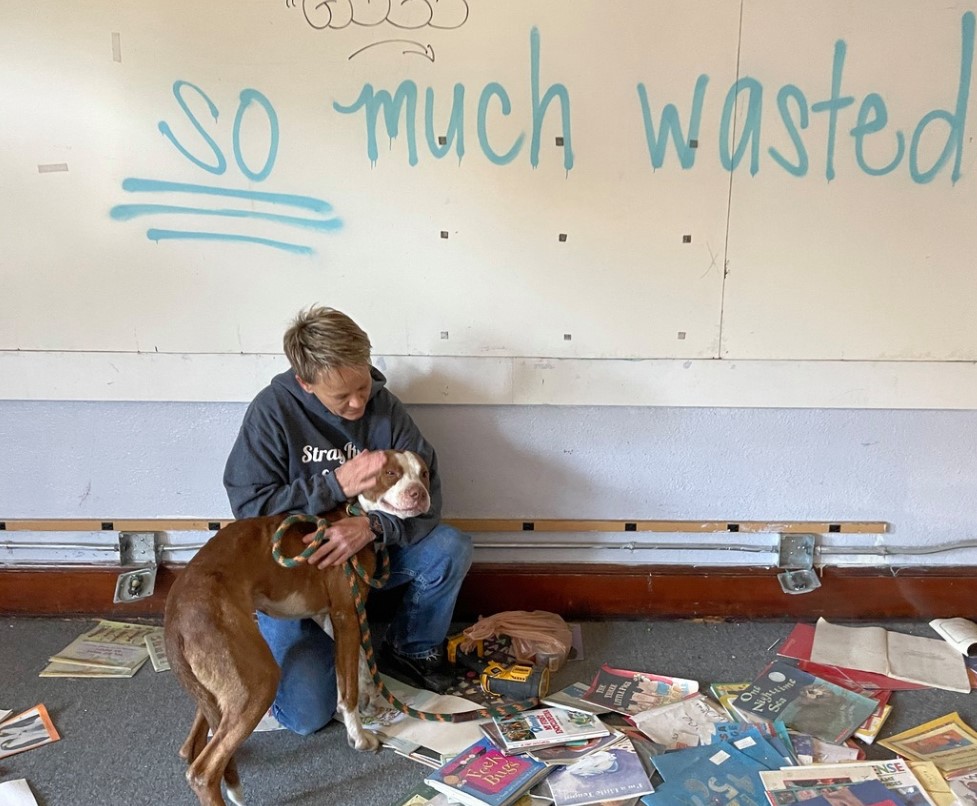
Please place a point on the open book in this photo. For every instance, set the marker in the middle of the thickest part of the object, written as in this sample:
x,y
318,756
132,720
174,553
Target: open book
x,y
928,661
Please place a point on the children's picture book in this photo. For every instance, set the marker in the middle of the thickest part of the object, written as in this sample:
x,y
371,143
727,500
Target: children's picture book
x,y
755,745
630,692
947,741
572,697
864,793
481,774
805,702
611,774
719,775
546,727
685,723
797,784
27,730
928,661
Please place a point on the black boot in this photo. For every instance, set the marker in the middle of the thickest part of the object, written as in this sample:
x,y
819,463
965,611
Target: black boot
x,y
430,672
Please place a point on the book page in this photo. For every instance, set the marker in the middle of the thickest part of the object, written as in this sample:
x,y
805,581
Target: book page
x,y
927,660
861,648
960,633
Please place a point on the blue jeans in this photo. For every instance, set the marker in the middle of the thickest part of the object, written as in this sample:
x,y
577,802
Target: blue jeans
x,y
433,569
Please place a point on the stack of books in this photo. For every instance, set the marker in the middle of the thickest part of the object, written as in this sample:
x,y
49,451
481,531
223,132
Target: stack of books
x,y
110,649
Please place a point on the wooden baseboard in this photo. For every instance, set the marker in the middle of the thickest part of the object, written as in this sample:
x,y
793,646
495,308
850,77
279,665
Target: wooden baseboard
x,y
578,592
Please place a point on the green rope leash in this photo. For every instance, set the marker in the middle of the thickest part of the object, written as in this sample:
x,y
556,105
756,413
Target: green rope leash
x,y
354,570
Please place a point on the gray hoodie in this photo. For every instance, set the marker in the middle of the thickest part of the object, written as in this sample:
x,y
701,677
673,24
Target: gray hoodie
x,y
289,444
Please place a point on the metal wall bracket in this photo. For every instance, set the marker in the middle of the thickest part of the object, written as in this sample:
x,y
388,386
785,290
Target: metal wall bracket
x,y
139,549
797,560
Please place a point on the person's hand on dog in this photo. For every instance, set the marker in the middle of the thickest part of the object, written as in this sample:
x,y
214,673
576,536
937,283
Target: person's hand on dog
x,y
360,473
343,539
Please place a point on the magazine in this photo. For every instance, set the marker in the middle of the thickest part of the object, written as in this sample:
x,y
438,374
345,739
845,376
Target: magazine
x,y
111,645
27,730
482,775
546,727
796,784
806,703
964,788
630,692
947,741
610,774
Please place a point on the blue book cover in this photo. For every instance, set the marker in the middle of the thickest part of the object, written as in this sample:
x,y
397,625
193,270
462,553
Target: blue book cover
x,y
755,745
482,774
726,776
613,773
806,703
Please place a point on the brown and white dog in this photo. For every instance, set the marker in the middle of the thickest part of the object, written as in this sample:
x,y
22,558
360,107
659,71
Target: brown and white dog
x,y
213,643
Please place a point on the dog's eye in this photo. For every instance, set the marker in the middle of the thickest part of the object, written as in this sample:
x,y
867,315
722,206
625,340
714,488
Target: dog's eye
x,y
390,472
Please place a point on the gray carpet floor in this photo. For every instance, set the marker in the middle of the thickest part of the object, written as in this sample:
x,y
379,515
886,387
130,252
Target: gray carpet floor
x,y
120,737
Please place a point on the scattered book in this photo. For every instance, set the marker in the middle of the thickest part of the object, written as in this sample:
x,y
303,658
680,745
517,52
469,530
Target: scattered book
x,y
868,731
927,661
571,697
481,774
630,692
864,793
685,723
546,727
798,645
933,782
611,774
27,730
157,651
797,784
947,741
806,703
113,646
964,787
719,773
565,754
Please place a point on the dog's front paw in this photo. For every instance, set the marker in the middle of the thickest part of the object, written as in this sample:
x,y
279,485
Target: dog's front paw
x,y
366,742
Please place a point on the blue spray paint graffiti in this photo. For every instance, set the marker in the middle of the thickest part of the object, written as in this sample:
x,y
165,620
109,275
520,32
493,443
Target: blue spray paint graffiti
x,y
740,137
319,220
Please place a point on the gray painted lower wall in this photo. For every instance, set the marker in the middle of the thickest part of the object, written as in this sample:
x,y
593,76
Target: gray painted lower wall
x,y
913,469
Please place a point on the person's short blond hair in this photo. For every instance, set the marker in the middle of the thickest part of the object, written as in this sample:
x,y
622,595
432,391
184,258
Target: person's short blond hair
x,y
321,339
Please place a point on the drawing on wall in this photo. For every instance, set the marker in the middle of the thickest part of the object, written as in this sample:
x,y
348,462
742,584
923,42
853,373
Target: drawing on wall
x,y
317,213
405,14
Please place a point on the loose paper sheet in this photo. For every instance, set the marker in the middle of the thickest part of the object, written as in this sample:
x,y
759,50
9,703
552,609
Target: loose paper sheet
x,y
16,793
